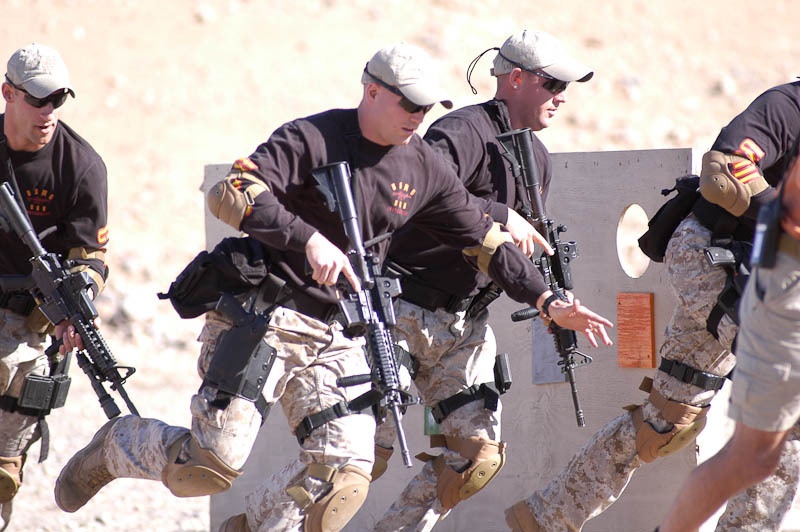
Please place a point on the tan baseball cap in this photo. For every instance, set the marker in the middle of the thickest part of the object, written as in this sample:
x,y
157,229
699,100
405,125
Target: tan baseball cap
x,y
39,70
409,69
538,50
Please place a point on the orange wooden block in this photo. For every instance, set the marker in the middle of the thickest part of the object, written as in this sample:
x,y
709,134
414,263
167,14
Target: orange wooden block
x,y
636,339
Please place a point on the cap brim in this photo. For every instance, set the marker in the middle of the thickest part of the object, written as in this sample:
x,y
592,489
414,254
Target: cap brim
x,y
572,71
425,94
44,86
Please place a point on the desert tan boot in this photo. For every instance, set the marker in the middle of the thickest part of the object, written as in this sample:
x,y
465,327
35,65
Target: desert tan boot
x,y
85,474
236,523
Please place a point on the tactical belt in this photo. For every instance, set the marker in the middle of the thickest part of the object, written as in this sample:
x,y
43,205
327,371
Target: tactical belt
x,y
18,302
276,290
690,375
720,222
432,298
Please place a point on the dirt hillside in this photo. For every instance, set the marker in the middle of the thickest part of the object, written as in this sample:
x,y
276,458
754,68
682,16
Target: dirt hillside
x,y
166,87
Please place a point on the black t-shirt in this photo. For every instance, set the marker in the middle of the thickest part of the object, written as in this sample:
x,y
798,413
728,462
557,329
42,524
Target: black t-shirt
x,y
767,133
63,185
392,186
467,139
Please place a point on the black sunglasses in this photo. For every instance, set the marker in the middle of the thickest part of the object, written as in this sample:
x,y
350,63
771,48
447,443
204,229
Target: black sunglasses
x,y
551,84
407,105
57,99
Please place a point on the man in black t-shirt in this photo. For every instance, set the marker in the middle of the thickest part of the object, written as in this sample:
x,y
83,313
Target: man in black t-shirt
x,y
442,312
62,183
272,196
739,174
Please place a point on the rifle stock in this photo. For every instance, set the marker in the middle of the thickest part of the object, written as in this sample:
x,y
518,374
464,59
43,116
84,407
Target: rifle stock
x,y
62,295
556,269
370,311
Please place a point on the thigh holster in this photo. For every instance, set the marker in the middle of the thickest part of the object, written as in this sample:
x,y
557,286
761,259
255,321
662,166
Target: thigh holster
x,y
486,458
687,422
347,489
10,476
202,473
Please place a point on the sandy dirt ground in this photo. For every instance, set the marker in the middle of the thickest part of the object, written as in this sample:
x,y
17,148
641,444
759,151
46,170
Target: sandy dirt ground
x,y
166,87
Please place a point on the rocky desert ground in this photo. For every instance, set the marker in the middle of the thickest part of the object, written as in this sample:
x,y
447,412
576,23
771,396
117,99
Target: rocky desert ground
x,y
167,87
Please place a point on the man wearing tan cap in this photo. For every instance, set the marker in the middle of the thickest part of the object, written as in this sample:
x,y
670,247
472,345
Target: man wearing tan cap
x,y
443,315
64,184
271,195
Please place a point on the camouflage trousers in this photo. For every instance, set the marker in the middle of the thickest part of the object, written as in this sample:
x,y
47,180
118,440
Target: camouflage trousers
x,y
21,354
311,355
453,354
598,473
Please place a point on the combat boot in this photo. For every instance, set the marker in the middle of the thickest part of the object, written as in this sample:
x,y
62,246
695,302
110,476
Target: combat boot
x,y
85,474
236,523
520,518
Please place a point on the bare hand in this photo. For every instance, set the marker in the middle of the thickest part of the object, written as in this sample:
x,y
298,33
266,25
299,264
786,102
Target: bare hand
x,y
579,318
69,337
524,235
327,262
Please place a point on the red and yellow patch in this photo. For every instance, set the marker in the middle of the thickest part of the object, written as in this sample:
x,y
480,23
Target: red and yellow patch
x,y
744,171
245,165
102,235
749,149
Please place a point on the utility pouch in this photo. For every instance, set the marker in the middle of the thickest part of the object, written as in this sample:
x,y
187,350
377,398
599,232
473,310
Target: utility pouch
x,y
242,359
768,232
653,242
502,373
44,393
234,266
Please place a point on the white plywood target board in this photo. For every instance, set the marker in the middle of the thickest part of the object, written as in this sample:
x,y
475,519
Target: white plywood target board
x,y
590,192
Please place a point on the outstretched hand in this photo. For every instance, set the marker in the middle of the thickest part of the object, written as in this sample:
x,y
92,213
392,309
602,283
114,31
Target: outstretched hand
x,y
575,316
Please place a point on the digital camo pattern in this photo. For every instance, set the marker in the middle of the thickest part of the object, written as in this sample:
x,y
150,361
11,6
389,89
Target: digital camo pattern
x,y
21,354
310,357
598,473
453,354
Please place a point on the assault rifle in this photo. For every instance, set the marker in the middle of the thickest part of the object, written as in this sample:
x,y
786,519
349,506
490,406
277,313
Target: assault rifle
x,y
556,268
370,311
62,295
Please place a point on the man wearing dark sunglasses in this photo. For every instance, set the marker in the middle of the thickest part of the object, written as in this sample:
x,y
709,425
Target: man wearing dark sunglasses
x,y
63,183
272,196
442,312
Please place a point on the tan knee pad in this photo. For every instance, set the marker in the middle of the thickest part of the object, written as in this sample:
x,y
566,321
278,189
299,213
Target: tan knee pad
x,y
520,518
486,459
687,420
349,488
382,455
231,200
730,181
202,474
10,476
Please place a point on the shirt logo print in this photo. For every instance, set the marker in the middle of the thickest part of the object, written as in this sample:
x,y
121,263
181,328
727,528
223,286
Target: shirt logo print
x,y
401,196
38,201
